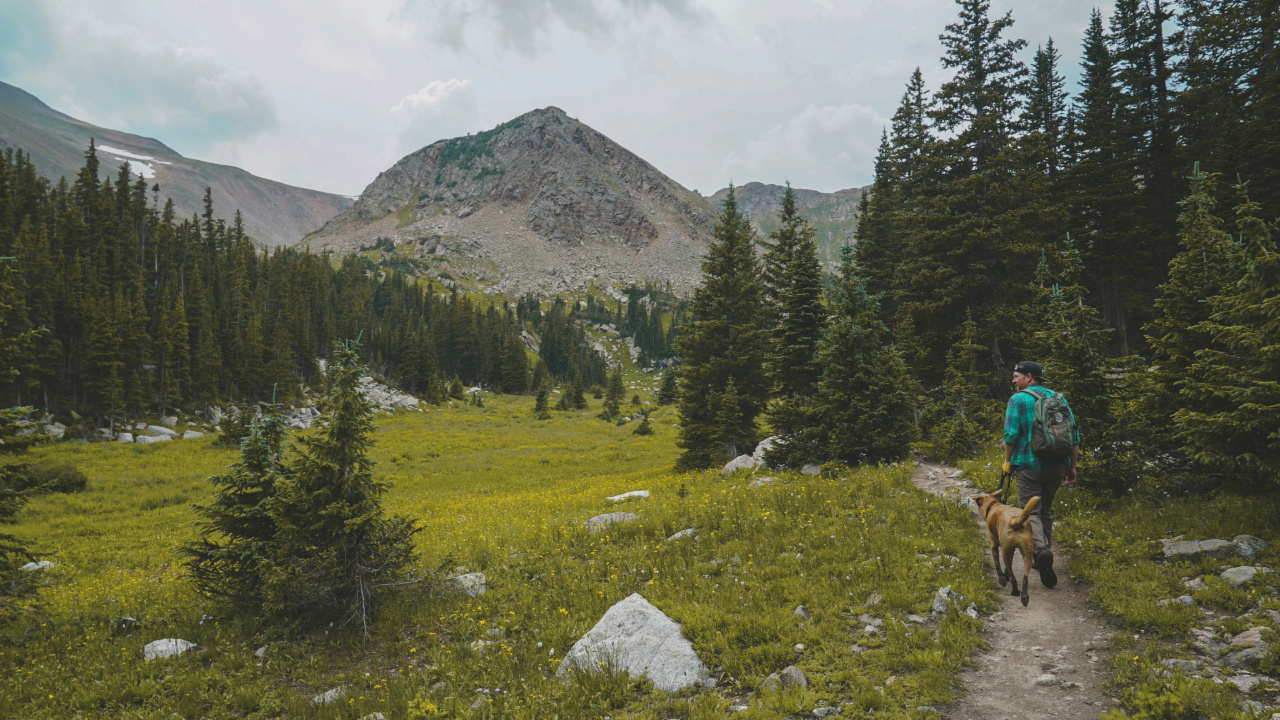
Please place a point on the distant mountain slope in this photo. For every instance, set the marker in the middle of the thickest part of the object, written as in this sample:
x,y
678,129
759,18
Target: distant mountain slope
x,y
834,216
542,202
274,213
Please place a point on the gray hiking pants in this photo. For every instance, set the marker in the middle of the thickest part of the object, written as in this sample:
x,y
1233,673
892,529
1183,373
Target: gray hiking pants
x,y
1044,483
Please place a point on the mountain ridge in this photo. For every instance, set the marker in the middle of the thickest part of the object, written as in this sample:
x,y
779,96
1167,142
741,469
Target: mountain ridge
x,y
274,213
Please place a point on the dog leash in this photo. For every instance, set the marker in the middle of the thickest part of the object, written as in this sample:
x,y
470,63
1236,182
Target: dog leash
x,y
999,493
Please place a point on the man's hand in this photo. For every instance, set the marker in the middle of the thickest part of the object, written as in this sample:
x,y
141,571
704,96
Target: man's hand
x,y
1071,475
1006,468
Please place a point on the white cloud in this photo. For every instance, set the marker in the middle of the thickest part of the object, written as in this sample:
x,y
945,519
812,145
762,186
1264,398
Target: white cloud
x,y
441,109
824,147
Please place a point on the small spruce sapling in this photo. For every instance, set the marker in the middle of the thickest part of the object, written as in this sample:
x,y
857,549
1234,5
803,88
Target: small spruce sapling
x,y
667,392
540,405
645,427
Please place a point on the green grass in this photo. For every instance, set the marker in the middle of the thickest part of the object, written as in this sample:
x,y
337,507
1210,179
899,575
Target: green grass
x,y
497,492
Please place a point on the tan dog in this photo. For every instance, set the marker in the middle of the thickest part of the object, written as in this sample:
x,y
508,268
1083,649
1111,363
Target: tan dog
x,y
1009,531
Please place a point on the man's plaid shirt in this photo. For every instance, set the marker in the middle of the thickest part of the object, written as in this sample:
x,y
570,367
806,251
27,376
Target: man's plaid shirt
x,y
1019,416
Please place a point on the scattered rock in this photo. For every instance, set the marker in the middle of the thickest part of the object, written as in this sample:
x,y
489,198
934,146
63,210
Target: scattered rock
x,y
872,600
765,446
148,439
328,696
919,620
972,611
1253,707
1238,576
1247,659
1180,600
793,676
1252,636
1246,682
387,399
600,522
772,683
192,434
261,653
1187,666
479,703
742,462
56,430
471,583
127,623
162,431
825,711
1249,545
437,687
942,599
799,648
811,469
760,481
374,716
801,612
1046,680
686,533
170,421
637,637
39,565
739,708
478,646
168,647
124,437
875,622
997,616
629,495
857,649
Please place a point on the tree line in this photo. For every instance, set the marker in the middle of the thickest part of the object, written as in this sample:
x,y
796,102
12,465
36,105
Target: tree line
x,y
1009,220
148,312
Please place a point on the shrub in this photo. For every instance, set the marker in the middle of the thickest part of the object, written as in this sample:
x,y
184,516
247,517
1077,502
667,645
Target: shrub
x,y
55,477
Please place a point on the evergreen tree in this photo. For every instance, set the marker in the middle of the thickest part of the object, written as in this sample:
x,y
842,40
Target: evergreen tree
x,y
540,404
613,395
576,400
955,423
236,529
667,391
798,293
724,341
335,547
1228,420
645,427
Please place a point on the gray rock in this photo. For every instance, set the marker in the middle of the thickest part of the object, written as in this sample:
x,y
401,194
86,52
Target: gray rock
x,y
1194,549
825,711
374,716
148,439
629,495
764,446
793,676
600,522
761,481
637,637
479,703
917,619
802,612
261,652
1249,545
39,565
997,616
1186,666
742,462
772,683
161,431
942,599
124,437
1238,576
56,430
1245,683
738,708
437,687
1247,659
472,584
1046,680
165,648
811,469
1194,585
329,696
170,421
1253,707
1252,636
972,611
192,434
478,646
874,621
686,533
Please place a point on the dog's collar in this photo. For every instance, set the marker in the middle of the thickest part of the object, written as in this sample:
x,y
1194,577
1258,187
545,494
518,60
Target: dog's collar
x,y
987,511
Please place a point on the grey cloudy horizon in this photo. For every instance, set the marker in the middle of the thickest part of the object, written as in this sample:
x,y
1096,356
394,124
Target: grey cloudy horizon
x,y
326,94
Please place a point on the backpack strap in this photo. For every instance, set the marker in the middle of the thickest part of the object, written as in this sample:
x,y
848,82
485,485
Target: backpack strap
x,y
1033,393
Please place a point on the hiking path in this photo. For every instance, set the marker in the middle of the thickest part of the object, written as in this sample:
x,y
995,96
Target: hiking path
x,y
1046,659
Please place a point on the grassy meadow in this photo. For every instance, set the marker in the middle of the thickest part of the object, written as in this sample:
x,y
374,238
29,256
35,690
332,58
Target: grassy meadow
x,y
497,492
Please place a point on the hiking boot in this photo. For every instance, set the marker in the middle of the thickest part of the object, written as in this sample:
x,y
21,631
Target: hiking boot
x,y
1043,561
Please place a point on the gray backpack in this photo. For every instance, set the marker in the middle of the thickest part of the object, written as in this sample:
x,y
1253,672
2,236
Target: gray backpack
x,y
1053,430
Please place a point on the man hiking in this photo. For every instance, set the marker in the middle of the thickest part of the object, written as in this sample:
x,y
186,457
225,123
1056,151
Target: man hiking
x,y
1043,465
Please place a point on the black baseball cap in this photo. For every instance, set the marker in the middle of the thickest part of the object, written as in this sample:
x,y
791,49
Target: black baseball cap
x,y
1029,367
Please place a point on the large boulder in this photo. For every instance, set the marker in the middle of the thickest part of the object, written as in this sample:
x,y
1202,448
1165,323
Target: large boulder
x,y
765,446
1239,576
472,584
168,647
124,437
162,431
629,495
742,462
1195,549
1249,545
943,599
636,637
192,434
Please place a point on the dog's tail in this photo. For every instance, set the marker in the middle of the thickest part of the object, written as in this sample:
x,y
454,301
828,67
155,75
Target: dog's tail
x,y
1026,513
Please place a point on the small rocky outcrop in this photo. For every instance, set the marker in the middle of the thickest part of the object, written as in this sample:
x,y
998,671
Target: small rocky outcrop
x,y
472,584
1245,546
742,462
148,439
629,495
636,637
386,398
600,522
1239,576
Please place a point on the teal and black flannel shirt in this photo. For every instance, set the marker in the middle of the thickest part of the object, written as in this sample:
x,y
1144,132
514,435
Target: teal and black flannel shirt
x,y
1019,416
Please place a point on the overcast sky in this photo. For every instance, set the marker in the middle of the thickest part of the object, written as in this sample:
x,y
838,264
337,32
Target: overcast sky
x,y
327,93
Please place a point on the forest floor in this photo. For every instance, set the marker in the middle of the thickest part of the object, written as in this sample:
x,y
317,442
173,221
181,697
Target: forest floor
x,y
1045,660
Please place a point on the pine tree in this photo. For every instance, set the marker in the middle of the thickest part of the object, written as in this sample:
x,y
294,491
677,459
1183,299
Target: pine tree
x,y
667,391
613,395
798,293
236,528
335,547
954,424
645,427
724,341
1228,421
576,399
540,404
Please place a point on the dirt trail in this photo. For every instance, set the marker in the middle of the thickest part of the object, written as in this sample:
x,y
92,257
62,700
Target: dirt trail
x,y
1045,659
